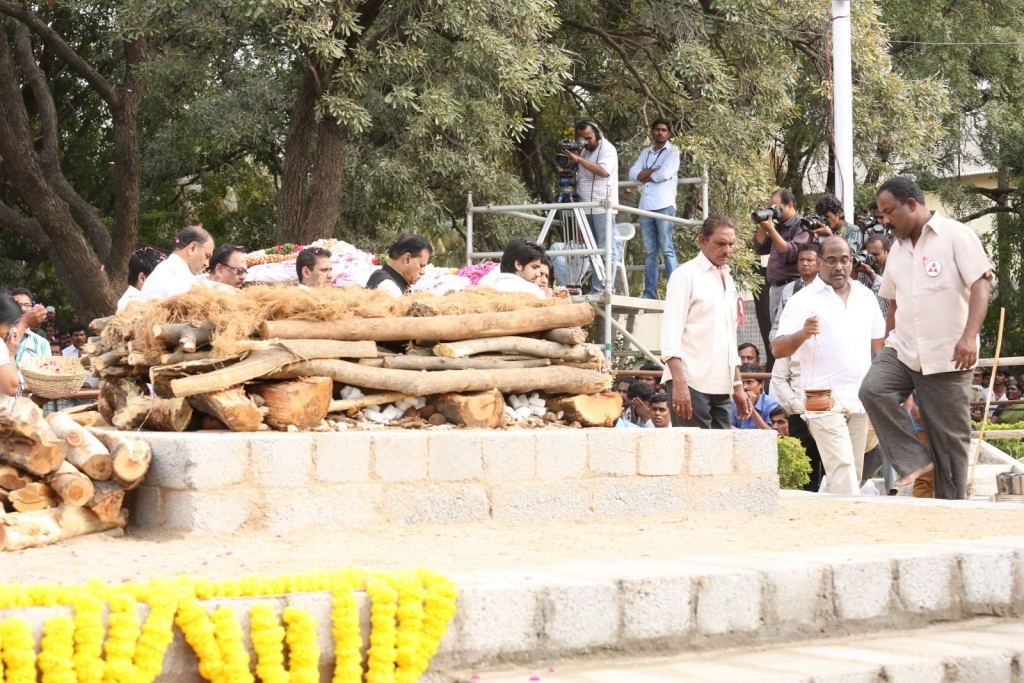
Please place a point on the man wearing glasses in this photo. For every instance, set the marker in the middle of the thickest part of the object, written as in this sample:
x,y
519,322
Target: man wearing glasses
x,y
832,327
227,267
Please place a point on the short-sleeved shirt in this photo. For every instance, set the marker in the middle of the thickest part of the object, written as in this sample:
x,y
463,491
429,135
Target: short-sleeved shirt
x,y
595,188
839,356
931,284
765,406
5,359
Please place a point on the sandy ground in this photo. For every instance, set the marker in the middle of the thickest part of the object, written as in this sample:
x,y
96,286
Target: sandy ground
x,y
802,523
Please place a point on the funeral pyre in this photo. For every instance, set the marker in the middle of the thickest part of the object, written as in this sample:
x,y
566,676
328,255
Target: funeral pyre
x,y
290,358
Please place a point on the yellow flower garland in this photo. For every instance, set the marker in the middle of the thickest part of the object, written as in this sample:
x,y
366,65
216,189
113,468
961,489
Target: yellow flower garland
x,y
409,612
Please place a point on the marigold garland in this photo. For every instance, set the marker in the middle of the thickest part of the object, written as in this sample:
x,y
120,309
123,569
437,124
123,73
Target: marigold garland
x,y
409,612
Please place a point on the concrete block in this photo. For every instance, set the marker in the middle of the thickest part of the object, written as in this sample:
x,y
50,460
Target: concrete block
x,y
612,451
197,460
540,501
580,615
967,663
350,505
145,507
988,581
728,601
758,493
400,456
435,503
343,456
454,455
619,497
561,454
660,452
755,451
281,460
510,456
798,594
496,615
896,668
207,511
709,451
862,589
925,583
656,607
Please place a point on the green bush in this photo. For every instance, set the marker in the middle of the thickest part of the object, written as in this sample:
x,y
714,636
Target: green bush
x,y
794,465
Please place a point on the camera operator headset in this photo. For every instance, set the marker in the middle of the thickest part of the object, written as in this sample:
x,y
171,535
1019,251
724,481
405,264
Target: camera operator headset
x,y
597,179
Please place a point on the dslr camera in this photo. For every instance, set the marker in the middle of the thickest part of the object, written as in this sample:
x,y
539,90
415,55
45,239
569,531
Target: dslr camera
x,y
862,258
815,222
773,212
871,225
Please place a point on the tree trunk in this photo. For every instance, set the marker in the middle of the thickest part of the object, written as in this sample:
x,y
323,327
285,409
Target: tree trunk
x,y
232,407
479,410
302,402
11,479
33,529
291,198
327,183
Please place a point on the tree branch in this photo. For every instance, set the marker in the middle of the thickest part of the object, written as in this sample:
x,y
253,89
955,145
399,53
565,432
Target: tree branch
x,y
24,226
40,91
56,43
988,212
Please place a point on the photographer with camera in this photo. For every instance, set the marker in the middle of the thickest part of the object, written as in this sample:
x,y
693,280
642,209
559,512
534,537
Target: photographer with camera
x,y
779,234
656,169
869,265
831,209
597,179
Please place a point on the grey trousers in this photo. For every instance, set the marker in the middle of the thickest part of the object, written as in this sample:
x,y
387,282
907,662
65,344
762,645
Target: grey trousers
x,y
943,398
710,411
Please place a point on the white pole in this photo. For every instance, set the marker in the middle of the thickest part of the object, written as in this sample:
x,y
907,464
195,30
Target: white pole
x,y
842,104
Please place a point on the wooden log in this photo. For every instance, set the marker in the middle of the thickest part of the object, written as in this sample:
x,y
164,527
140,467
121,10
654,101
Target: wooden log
x,y
435,363
439,327
554,379
184,335
32,529
303,402
477,410
346,404
85,451
143,358
160,376
12,479
106,502
262,362
231,406
34,496
183,356
519,345
594,410
130,458
97,325
108,359
73,487
27,441
89,418
154,413
566,335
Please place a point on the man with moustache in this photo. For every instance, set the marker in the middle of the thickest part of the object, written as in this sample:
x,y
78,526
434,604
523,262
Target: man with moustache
x,y
656,169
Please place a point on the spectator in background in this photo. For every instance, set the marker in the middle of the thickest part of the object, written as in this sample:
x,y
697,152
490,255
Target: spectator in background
x,y
638,411
622,386
749,355
63,338
10,314
51,316
313,267
661,416
656,169
54,348
407,259
831,209
807,265
761,416
651,379
521,262
780,421
227,267
193,247
1013,413
79,335
870,275
141,264
22,342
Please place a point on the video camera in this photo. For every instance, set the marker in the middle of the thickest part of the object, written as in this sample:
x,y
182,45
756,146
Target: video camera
x,y
562,160
773,212
565,169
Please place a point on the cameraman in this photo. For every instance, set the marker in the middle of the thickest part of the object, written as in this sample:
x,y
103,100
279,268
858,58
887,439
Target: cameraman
x,y
779,237
831,209
869,270
597,179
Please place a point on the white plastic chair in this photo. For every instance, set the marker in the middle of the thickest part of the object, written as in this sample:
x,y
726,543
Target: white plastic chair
x,y
623,233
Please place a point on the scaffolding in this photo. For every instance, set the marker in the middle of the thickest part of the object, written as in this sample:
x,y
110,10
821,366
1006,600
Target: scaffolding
x,y
606,304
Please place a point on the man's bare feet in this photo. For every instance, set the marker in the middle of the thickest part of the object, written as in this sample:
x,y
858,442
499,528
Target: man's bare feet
x,y
913,476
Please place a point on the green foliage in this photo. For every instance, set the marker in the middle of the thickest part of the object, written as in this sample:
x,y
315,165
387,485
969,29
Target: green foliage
x,y
794,465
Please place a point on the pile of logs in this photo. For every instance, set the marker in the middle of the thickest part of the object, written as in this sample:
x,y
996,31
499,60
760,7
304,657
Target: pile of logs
x,y
418,370
59,478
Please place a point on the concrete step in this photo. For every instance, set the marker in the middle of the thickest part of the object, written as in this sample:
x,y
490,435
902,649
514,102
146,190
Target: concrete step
x,y
976,651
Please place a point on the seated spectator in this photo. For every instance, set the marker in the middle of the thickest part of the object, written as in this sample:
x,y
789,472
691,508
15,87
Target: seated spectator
x,y
1013,413
651,379
22,342
520,264
141,264
749,355
622,386
176,274
407,259
63,337
313,266
661,416
638,410
54,348
10,314
764,405
543,277
227,267
780,421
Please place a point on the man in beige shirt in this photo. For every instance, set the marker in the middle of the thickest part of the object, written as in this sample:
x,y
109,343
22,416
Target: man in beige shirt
x,y
937,277
698,333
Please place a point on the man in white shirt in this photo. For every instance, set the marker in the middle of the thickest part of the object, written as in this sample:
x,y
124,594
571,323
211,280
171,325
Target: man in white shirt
x,y
140,265
313,266
521,262
832,327
597,179
698,334
657,169
193,247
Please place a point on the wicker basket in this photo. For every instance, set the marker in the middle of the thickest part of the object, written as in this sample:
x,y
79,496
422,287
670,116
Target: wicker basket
x,y
53,376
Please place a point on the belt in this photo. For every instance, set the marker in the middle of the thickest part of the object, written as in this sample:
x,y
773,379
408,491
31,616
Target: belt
x,y
782,283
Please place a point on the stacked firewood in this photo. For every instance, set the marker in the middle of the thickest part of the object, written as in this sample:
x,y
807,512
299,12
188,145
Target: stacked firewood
x,y
405,370
59,478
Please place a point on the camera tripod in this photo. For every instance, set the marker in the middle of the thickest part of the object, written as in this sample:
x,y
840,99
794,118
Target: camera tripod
x,y
576,234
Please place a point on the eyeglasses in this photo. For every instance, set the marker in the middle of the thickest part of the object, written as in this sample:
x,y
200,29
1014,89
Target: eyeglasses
x,y
240,272
833,261
26,305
